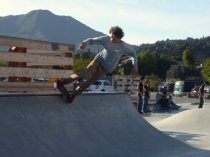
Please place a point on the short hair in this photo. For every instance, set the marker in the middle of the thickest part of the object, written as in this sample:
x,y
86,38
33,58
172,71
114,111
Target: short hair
x,y
142,78
117,31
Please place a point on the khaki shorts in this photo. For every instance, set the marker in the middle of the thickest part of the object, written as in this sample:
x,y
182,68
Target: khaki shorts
x,y
92,73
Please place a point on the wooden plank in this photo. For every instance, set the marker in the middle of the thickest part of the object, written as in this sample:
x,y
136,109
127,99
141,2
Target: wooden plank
x,y
25,90
34,44
48,52
25,84
35,59
29,87
34,72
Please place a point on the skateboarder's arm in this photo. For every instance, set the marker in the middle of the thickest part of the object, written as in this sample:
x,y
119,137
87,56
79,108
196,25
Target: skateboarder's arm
x,y
132,54
93,41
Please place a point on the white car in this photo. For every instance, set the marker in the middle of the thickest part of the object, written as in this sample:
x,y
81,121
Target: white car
x,y
101,86
4,79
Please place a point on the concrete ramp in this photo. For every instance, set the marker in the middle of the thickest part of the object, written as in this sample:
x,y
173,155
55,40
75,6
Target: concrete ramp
x,y
191,126
94,125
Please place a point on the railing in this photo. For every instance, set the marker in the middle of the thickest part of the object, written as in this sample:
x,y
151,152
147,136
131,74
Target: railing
x,y
33,65
178,99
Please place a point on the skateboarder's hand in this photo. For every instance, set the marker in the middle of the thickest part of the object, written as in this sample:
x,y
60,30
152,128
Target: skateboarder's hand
x,y
82,46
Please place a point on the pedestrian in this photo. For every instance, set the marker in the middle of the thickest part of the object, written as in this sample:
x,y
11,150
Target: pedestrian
x,y
165,100
146,95
104,62
140,92
201,94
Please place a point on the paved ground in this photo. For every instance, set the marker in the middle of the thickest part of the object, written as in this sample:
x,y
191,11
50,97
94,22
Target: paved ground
x,y
157,116
189,124
95,125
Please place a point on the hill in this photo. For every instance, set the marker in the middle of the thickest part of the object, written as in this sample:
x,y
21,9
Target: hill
x,y
44,25
200,48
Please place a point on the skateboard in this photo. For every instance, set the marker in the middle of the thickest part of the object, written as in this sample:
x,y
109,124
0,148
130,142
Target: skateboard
x,y
67,96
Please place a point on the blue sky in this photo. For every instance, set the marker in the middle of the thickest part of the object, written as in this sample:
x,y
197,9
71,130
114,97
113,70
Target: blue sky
x,y
143,21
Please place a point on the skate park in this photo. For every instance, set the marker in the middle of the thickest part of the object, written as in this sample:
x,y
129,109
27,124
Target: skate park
x,y
93,125
105,124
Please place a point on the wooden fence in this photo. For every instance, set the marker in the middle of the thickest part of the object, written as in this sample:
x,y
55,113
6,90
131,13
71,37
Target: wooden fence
x,y
126,83
33,65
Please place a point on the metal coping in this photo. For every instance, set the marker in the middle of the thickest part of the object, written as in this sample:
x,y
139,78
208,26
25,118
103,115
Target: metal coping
x,y
52,94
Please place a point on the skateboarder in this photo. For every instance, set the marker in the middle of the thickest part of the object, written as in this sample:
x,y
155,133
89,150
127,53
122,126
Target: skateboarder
x,y
103,63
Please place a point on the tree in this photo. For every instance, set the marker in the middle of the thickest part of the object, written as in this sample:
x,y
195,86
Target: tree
x,y
84,55
80,65
163,63
206,70
188,59
153,79
127,67
147,62
81,60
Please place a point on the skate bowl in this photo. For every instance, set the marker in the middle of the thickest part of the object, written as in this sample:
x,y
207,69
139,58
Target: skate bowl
x,y
94,125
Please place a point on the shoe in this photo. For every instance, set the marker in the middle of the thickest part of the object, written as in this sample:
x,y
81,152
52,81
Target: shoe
x,y
60,83
71,98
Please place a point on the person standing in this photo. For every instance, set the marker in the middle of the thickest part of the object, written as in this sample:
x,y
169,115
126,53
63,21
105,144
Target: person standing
x,y
201,94
140,95
146,95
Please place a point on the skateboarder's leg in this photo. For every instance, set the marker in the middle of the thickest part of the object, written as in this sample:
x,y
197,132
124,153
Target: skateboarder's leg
x,y
93,72
64,81
92,75
90,69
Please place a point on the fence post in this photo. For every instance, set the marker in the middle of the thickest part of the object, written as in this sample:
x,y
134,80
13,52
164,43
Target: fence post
x,y
18,64
68,67
65,67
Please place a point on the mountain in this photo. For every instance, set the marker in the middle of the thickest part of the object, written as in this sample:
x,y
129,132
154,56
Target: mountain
x,y
44,25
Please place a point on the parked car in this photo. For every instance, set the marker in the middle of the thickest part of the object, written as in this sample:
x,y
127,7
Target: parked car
x,y
39,80
194,92
101,86
3,79
181,88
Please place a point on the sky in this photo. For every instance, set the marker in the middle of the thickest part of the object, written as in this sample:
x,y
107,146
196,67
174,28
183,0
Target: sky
x,y
143,21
